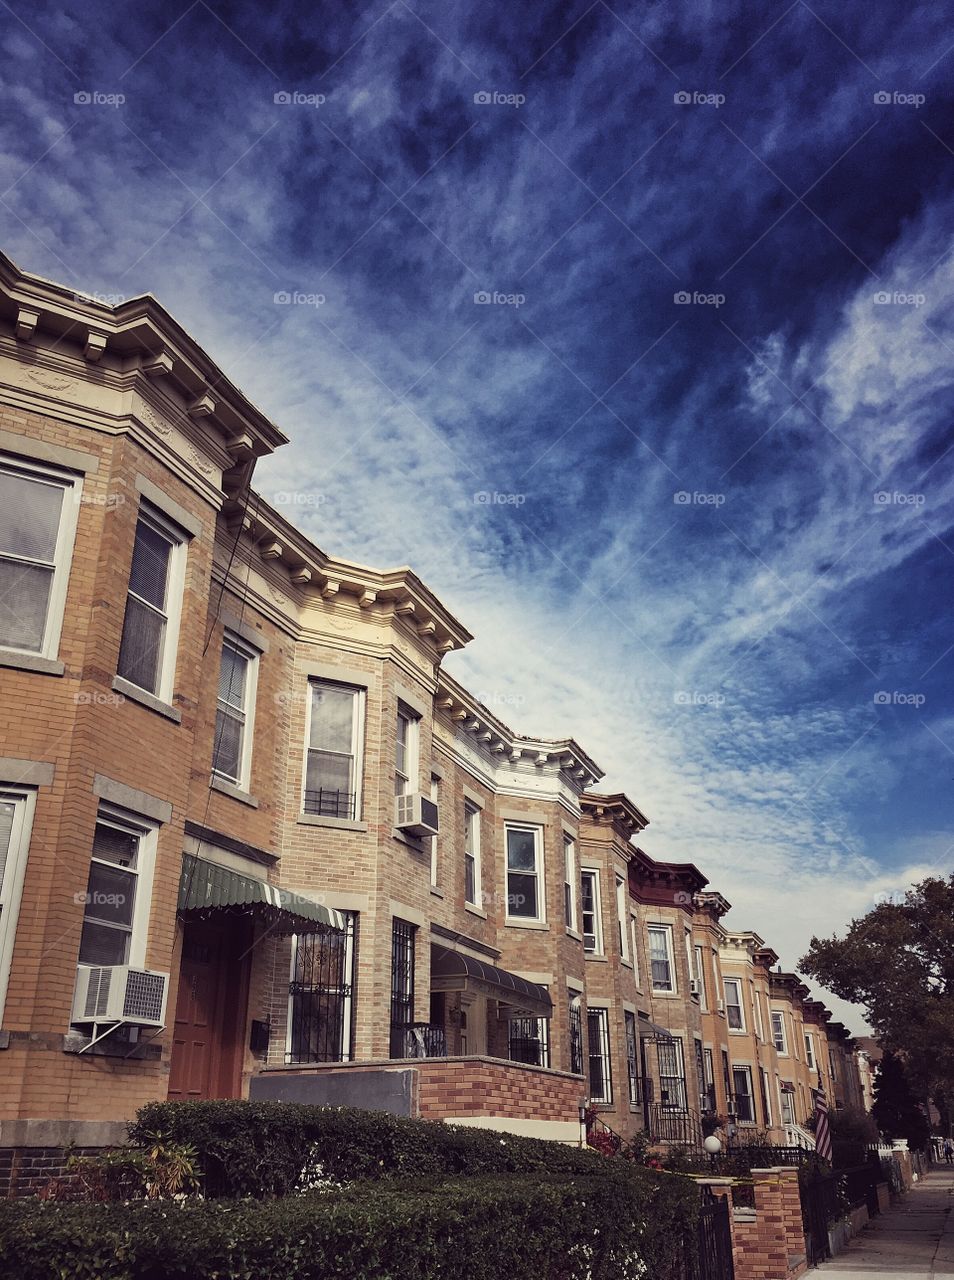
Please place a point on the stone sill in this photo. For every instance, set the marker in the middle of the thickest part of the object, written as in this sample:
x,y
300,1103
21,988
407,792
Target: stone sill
x,y
31,662
226,788
132,693
319,820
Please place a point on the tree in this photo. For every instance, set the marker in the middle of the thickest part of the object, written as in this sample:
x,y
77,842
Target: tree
x,y
898,962
896,1111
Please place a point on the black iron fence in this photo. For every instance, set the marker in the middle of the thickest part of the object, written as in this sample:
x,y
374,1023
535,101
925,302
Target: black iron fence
x,y
681,1127
707,1251
417,1040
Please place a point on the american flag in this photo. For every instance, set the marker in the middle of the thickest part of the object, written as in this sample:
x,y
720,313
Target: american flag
x,y
822,1130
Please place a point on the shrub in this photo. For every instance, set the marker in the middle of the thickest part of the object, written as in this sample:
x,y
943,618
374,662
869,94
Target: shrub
x,y
617,1225
261,1148
127,1174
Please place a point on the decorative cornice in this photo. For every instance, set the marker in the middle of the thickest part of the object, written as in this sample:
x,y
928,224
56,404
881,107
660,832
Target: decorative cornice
x,y
617,809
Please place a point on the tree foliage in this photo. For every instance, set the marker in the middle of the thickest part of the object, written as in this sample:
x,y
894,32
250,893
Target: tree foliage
x,y
898,962
896,1111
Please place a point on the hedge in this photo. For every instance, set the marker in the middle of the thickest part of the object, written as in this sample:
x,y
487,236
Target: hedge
x,y
260,1148
614,1225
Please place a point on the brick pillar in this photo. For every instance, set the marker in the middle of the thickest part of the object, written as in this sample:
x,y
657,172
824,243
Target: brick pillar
x,y
769,1243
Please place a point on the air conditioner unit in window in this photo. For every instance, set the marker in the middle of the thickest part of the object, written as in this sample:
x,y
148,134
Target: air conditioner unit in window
x,y
119,993
721,1005
693,986
416,814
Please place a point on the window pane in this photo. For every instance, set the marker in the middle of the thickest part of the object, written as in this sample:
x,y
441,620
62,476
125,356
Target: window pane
x,y
111,894
110,844
103,944
232,677
140,653
332,718
7,814
228,745
521,851
521,895
328,772
29,517
149,574
24,597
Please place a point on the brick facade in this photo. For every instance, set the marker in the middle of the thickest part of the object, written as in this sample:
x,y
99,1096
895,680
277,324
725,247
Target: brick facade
x,y
154,423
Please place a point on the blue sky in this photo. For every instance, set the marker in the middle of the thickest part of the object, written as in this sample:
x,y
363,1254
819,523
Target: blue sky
x,y
686,473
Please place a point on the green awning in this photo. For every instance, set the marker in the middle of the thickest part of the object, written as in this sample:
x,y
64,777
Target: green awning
x,y
205,887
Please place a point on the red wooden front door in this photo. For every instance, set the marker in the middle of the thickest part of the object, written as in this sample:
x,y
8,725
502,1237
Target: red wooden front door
x,y
210,1015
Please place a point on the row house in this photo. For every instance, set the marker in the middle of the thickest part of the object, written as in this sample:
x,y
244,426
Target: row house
x,y
256,841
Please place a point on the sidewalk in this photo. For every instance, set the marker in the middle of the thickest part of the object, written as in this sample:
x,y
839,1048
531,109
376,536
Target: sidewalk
x,y
914,1240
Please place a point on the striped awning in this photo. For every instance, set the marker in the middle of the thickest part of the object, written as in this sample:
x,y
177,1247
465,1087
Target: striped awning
x,y
654,1033
205,887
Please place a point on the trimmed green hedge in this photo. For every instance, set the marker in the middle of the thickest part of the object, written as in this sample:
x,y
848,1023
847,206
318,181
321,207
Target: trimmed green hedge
x,y
608,1226
260,1148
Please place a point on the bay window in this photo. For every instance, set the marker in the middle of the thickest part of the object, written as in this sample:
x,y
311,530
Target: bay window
x,y
661,962
735,1014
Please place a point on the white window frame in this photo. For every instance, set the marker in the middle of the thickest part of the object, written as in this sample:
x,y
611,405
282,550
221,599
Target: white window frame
x,y
666,931
700,966
347,1001
435,797
570,894
622,914
783,1097
592,875
738,1002
757,1009
767,1098
745,1070
779,1032
175,588
251,656
472,824
538,872
634,946
357,736
11,880
601,1015
406,783
631,1038
72,486
147,832
810,1058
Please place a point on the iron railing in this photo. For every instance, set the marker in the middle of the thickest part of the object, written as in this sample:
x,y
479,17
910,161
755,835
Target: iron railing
x,y
681,1127
417,1040
330,804
706,1252
321,992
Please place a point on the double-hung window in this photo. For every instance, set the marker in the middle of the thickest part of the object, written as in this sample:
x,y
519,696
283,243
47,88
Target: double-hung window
x,y
810,1051
16,818
525,889
471,854
38,509
406,752
661,961
632,1056
700,976
334,745
590,911
742,1090
569,881
436,797
778,1033
621,916
232,749
118,891
601,1078
787,1097
757,1010
147,653
634,946
734,1013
